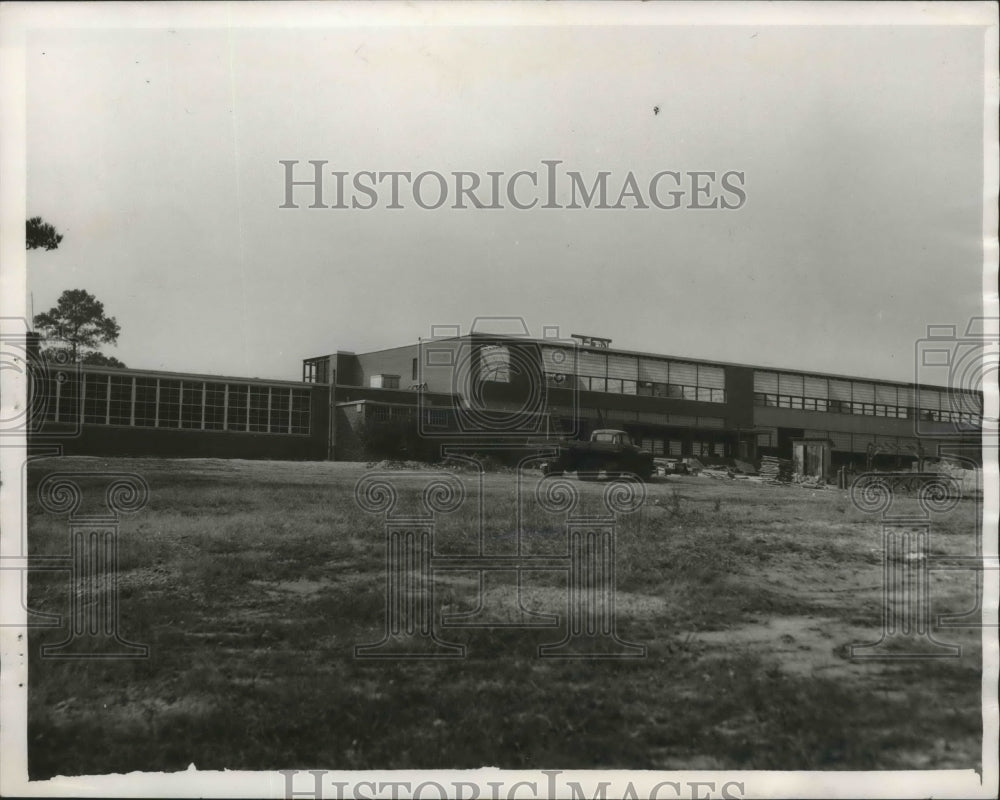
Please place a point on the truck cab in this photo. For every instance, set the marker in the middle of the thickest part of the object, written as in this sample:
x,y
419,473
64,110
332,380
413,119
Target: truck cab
x,y
609,452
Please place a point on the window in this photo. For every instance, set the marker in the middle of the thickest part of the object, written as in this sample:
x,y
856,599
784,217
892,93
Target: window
x,y
436,417
236,412
615,385
258,409
191,404
300,411
644,388
170,403
120,407
49,388
145,402
414,371
95,399
704,394
69,399
598,384
279,410
215,406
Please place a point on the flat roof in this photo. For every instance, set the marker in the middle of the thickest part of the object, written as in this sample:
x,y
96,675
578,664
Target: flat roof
x,y
688,359
153,373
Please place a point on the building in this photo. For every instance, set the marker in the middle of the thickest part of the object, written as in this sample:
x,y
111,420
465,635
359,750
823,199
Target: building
x,y
492,390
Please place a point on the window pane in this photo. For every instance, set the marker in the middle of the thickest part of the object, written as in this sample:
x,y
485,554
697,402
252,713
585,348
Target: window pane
x,y
215,406
191,404
69,398
95,404
237,419
258,408
279,410
170,403
121,400
300,411
145,402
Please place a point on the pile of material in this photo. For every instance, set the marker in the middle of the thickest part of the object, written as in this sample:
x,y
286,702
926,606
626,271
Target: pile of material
x,y
775,470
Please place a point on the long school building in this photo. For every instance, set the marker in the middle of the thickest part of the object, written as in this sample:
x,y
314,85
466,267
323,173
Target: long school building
x,y
489,390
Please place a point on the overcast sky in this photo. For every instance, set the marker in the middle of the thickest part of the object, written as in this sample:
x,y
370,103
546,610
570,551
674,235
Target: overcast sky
x,y
155,152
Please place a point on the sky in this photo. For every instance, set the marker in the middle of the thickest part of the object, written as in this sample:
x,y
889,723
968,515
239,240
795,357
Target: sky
x,y
155,150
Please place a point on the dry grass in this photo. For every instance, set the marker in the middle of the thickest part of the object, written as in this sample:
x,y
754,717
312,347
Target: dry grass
x,y
252,582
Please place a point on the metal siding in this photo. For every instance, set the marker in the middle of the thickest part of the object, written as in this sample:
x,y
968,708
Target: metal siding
x,y
930,399
592,364
653,417
558,360
815,387
885,395
863,392
905,396
765,382
841,441
625,367
711,422
683,420
815,434
711,377
653,371
683,373
840,390
790,384
861,441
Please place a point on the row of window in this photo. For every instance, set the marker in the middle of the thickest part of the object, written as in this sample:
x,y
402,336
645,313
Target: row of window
x,y
168,403
853,442
675,447
857,391
672,391
864,409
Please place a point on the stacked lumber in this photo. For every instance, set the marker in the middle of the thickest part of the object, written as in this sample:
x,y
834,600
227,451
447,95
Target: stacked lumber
x,y
775,470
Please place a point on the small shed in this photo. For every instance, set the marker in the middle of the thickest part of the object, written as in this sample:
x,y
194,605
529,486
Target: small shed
x,y
811,458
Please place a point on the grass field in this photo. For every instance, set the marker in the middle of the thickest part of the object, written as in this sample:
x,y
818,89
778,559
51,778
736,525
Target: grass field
x,y
252,582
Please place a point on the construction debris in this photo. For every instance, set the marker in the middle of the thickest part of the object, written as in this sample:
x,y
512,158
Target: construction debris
x,y
775,470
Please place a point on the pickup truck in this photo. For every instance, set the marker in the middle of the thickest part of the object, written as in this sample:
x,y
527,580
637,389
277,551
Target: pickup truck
x,y
610,452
